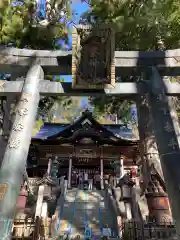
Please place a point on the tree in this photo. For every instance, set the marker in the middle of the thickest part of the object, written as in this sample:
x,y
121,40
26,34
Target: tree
x,y
21,27
139,25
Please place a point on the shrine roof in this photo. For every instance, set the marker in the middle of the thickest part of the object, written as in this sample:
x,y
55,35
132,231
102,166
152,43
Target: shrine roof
x,y
85,126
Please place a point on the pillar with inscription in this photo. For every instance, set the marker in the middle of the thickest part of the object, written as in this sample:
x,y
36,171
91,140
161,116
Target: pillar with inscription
x,y
168,141
14,160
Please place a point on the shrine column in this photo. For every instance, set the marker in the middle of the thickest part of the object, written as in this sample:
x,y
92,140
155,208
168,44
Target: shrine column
x,y
14,160
69,172
121,167
49,167
102,173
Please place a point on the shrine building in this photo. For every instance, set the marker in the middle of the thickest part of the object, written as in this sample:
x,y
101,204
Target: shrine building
x,y
84,145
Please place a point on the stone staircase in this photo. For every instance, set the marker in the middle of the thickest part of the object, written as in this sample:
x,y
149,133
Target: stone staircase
x,y
82,208
142,202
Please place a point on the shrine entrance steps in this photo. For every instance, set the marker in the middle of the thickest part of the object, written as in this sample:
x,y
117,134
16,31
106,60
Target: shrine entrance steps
x,y
84,208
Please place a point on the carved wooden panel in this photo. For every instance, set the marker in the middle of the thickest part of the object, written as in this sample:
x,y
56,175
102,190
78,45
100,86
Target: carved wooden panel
x,y
86,161
89,152
93,57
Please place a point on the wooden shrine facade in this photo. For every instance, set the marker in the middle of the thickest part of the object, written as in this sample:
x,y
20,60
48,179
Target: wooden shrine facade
x,y
85,142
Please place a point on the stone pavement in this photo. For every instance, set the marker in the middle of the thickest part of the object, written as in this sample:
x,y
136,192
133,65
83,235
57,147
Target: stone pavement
x,y
83,208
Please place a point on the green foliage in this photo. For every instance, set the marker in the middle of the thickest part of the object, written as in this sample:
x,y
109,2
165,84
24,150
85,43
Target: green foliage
x,y
138,25
103,106
49,105
37,125
18,28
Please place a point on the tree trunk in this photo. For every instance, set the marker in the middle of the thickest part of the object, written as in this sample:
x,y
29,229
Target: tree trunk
x,y
148,147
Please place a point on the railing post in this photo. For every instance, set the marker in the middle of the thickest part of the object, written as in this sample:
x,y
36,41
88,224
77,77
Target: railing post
x,y
14,161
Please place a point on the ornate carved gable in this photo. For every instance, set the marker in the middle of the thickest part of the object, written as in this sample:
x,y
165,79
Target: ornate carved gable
x,y
86,141
86,124
87,130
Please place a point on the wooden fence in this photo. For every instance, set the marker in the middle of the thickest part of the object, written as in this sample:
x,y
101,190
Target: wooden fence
x,y
28,229
132,230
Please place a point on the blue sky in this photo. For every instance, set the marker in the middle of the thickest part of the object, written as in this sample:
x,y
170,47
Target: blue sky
x,y
78,8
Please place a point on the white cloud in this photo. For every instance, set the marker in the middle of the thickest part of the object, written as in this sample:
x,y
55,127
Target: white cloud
x,y
76,1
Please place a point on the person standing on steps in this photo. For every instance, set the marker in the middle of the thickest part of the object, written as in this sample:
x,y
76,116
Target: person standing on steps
x,y
86,183
80,179
90,182
65,183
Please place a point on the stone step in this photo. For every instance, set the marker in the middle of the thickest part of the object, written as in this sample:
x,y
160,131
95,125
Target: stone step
x,y
82,207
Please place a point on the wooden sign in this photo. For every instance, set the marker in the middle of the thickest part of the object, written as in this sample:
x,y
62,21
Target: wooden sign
x,y
93,57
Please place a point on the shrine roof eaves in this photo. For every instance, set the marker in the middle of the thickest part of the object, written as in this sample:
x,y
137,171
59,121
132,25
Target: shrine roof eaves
x,y
56,131
50,129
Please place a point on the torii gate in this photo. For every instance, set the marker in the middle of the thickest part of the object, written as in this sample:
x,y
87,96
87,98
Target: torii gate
x,y
34,64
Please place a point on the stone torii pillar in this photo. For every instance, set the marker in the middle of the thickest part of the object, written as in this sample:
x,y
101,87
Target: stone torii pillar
x,y
14,161
168,141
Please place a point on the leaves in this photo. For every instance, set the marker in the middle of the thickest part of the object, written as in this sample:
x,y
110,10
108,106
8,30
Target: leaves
x,y
18,28
139,25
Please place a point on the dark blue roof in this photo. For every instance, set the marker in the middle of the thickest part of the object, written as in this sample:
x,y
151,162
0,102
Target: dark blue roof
x,y
50,129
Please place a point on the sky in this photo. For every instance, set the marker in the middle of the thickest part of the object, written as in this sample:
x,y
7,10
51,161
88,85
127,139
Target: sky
x,y
79,8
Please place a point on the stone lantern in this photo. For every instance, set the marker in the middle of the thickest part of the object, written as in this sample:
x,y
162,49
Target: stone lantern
x,y
48,183
54,168
126,185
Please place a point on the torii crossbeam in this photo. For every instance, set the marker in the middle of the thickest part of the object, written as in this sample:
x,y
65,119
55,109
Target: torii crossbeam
x,y
48,88
13,60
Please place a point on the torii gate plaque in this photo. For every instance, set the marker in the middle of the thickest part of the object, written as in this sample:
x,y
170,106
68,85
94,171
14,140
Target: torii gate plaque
x,y
93,57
